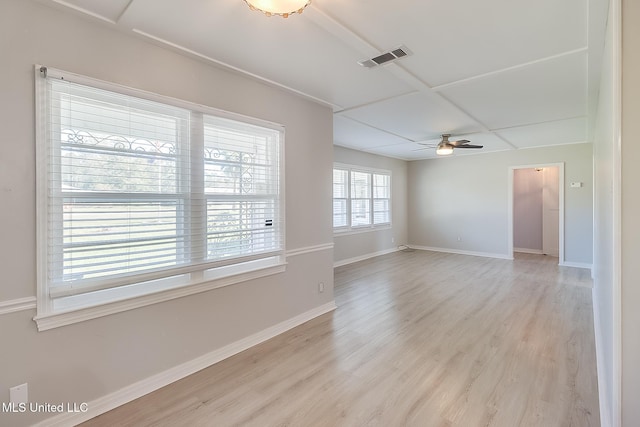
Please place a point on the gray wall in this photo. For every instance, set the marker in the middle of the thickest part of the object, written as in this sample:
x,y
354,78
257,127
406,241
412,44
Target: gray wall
x,y
361,244
87,360
630,296
467,197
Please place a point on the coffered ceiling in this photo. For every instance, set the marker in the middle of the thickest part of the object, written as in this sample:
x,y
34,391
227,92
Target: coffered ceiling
x,y
505,74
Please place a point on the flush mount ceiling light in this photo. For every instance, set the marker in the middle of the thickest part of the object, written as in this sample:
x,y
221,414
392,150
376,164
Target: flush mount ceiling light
x,y
282,8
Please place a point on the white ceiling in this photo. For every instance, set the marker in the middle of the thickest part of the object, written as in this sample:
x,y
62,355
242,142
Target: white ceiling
x,y
505,74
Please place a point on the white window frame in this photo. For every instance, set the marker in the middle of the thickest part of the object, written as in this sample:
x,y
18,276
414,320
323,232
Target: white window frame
x,y
89,305
371,226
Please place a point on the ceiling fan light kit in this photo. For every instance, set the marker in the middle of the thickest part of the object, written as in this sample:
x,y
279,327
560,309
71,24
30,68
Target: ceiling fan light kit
x,y
282,8
444,149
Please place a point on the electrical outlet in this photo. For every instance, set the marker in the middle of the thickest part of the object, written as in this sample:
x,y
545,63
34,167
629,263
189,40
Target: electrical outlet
x,y
19,393
321,287
459,239
393,240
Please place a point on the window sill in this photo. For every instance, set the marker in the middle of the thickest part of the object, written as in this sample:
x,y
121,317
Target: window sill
x,y
91,306
359,230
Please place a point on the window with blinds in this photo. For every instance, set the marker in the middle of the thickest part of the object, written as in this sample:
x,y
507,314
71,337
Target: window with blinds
x,y
340,197
133,190
361,198
381,195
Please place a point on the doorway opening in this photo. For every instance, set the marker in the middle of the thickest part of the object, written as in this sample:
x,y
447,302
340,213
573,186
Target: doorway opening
x,y
536,210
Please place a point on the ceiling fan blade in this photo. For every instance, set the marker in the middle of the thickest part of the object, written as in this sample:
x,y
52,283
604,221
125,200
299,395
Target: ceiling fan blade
x,y
459,142
444,142
428,141
469,146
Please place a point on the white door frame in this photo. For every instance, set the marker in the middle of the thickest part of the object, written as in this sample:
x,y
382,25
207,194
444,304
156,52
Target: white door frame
x,y
561,184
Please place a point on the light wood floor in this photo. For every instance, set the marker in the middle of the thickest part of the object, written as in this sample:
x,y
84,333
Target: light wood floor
x,y
418,339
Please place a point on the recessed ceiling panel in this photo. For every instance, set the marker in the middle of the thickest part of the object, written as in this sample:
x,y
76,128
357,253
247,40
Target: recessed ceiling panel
x,y
416,116
294,52
546,91
456,39
109,10
350,133
551,133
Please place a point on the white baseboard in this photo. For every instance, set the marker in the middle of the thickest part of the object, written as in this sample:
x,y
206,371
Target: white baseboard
x,y
462,252
148,385
603,392
363,257
576,265
528,251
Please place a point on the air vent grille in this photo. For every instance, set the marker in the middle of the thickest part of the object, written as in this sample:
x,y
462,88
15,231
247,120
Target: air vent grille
x,y
385,57
399,53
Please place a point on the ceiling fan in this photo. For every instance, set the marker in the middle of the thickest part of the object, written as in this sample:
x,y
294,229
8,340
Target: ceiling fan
x,y
445,147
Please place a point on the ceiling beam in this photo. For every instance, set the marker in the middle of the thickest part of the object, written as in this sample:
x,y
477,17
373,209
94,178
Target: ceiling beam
x,y
124,10
85,11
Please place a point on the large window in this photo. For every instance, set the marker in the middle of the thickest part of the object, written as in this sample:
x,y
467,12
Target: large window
x,y
361,198
151,193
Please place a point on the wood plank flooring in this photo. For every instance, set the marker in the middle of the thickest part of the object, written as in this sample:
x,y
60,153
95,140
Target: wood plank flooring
x,y
419,339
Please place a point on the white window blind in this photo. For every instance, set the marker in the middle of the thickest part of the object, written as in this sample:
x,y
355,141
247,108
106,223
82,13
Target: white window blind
x,y
241,188
134,190
361,198
381,198
340,197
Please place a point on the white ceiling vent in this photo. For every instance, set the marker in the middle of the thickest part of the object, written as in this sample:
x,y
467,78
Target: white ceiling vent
x,y
388,56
